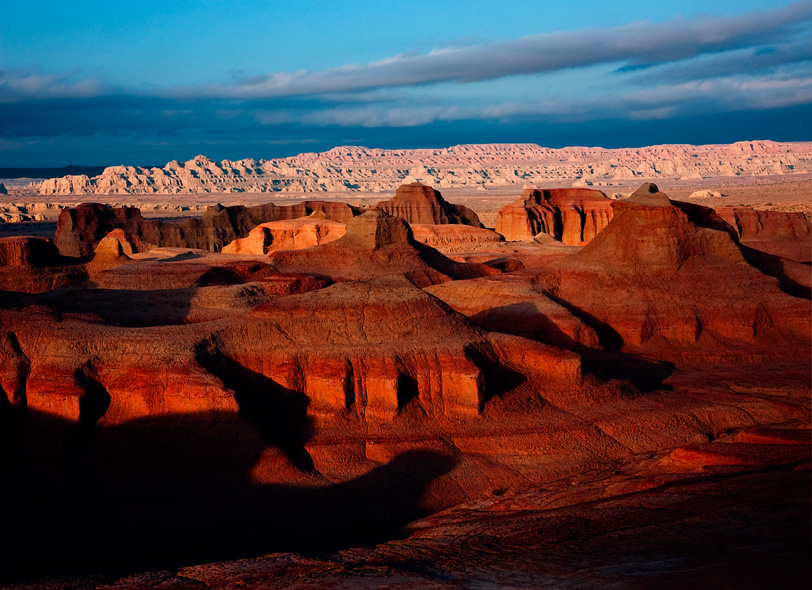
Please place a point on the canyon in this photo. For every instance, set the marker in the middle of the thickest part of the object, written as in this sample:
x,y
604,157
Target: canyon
x,y
603,389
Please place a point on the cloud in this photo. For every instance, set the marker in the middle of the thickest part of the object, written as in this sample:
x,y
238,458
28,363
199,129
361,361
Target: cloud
x,y
745,62
642,73
641,44
17,85
662,101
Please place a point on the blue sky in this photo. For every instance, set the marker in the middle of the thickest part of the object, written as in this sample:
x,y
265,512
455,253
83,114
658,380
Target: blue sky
x,y
147,82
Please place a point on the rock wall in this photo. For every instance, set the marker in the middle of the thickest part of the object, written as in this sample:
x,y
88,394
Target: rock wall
x,y
572,216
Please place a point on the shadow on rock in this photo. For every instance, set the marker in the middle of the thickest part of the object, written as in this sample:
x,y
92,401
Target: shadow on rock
x,y
646,375
279,414
165,492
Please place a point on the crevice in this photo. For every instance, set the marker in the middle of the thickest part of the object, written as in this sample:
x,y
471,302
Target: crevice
x,y
94,402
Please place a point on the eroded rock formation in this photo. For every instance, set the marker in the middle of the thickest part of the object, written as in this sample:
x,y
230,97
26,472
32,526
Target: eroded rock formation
x,y
651,243
418,203
190,406
351,168
293,234
572,216
81,228
449,237
377,244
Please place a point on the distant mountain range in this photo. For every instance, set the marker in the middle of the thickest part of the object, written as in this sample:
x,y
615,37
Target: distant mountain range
x,y
352,168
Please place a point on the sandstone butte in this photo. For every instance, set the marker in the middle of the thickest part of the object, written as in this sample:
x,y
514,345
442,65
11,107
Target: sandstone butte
x,y
572,216
647,391
418,203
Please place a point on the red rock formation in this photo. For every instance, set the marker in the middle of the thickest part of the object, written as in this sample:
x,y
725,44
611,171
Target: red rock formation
x,y
14,370
573,216
371,348
80,228
34,265
129,244
294,234
28,251
788,235
453,236
377,244
188,405
418,203
713,295
509,303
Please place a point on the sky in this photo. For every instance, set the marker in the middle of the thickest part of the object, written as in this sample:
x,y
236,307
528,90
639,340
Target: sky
x,y
143,83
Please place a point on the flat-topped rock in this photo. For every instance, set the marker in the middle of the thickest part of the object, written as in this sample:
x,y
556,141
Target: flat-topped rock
x,y
418,203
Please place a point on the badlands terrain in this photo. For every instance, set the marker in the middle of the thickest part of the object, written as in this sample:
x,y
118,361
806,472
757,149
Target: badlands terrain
x,y
479,367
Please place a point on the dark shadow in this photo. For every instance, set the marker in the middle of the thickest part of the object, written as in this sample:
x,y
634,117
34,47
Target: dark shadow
x,y
608,337
279,414
524,319
498,378
794,278
406,390
582,222
37,229
219,276
123,307
182,257
161,493
505,264
646,375
93,404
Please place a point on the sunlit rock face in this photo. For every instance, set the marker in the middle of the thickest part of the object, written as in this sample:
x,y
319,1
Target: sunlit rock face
x,y
572,216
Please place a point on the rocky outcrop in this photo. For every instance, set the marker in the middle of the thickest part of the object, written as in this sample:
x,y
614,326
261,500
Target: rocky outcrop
x,y
788,235
28,251
510,304
188,405
22,212
353,168
128,244
650,243
81,228
293,234
34,265
3,190
377,244
572,216
453,236
418,203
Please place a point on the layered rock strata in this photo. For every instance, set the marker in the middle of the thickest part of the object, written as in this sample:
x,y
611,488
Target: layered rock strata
x,y
572,216
418,203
